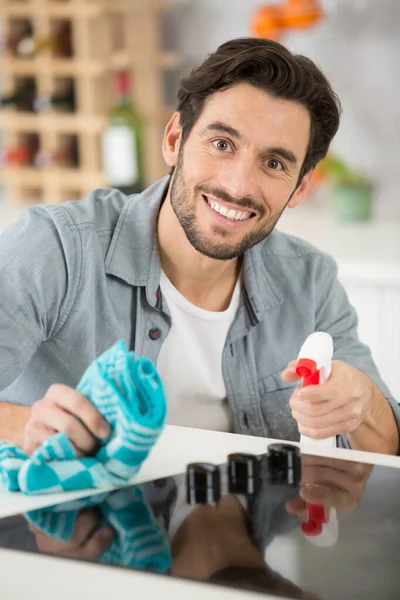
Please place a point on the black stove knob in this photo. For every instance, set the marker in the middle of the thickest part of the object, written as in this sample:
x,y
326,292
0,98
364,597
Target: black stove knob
x,y
244,474
203,484
284,464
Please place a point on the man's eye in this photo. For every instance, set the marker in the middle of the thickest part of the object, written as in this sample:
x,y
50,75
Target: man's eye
x,y
274,164
222,145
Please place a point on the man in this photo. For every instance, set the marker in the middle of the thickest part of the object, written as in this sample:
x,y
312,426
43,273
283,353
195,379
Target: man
x,y
192,274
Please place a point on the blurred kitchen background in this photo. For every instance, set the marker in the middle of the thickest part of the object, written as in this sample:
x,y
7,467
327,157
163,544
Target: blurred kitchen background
x,y
87,86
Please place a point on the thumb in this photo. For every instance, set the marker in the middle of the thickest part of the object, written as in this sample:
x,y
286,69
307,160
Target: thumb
x,y
289,374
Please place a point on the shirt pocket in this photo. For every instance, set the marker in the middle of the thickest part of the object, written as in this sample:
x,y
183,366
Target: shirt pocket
x,y
274,396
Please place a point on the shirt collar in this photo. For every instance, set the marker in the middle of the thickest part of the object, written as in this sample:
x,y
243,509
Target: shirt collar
x,y
133,254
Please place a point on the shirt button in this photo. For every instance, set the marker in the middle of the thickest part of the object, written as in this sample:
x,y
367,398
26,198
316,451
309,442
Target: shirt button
x,y
154,333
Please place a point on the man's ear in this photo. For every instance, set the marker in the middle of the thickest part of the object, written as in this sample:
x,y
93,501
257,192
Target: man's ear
x,y
301,191
172,140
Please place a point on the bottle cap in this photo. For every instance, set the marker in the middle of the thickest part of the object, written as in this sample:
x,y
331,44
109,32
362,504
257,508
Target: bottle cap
x,y
284,464
203,484
244,474
122,83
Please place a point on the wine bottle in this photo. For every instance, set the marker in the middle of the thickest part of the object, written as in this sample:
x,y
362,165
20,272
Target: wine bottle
x,y
62,101
68,151
19,31
48,158
59,43
122,142
65,156
23,96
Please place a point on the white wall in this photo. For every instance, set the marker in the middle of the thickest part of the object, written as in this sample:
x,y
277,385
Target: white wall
x,y
358,48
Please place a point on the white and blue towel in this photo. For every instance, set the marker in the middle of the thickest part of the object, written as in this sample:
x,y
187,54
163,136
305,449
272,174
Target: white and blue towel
x,y
129,394
139,541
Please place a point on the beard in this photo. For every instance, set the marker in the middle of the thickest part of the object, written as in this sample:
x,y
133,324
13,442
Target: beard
x,y
216,246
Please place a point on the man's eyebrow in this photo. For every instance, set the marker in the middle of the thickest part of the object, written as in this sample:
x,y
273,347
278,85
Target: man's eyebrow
x,y
219,127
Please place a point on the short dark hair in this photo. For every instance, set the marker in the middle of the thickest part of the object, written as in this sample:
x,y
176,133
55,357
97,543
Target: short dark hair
x,y
269,66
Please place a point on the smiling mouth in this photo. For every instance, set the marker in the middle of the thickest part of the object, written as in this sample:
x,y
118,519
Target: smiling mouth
x,y
228,213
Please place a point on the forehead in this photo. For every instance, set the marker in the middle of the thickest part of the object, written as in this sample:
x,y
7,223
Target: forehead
x,y
259,117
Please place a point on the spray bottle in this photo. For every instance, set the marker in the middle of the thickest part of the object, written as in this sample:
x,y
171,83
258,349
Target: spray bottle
x,y
314,365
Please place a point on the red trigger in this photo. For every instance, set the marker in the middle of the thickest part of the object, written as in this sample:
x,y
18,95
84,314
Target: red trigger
x,y
307,369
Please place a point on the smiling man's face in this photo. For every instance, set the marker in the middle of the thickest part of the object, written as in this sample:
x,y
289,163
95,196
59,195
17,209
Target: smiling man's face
x,y
238,169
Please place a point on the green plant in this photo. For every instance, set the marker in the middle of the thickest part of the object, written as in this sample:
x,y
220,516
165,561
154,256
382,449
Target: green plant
x,y
341,174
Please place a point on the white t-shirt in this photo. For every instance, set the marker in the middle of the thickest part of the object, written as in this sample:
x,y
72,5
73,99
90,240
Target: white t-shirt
x,y
190,361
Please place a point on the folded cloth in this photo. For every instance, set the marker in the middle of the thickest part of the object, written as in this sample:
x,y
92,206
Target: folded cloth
x,y
139,541
130,396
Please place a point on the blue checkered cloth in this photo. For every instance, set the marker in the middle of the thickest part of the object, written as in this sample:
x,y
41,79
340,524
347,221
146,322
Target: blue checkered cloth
x,y
139,541
130,395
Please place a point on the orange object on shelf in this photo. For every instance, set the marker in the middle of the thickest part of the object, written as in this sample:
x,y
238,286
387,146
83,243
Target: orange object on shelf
x,y
267,22
300,14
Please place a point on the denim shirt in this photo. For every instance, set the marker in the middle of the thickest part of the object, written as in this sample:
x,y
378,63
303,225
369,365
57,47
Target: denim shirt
x,y
77,277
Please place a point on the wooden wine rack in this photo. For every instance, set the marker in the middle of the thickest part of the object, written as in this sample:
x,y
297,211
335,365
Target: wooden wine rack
x,y
107,35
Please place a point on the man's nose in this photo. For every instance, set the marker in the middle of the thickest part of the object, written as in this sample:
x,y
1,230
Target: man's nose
x,y
239,179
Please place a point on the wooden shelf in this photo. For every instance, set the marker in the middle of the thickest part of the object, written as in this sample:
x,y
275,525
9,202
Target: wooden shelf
x,y
82,8
51,122
55,10
94,27
66,178
137,5
58,122
60,67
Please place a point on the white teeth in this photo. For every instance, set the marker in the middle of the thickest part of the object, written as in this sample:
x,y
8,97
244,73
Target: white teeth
x,y
233,215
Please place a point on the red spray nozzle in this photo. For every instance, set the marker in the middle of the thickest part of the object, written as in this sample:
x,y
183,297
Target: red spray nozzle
x,y
316,518
308,369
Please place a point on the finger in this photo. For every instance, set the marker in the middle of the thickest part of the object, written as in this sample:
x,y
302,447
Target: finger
x,y
74,402
337,421
307,416
35,434
60,420
324,432
289,373
328,477
300,403
319,393
96,546
356,473
298,507
348,466
48,544
86,523
338,499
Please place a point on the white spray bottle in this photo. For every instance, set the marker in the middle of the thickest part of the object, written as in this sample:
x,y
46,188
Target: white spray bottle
x,y
314,365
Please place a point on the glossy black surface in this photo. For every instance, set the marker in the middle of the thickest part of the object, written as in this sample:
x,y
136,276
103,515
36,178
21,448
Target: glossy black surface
x,y
242,527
